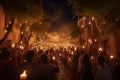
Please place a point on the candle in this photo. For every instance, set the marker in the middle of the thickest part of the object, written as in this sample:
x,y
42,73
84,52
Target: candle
x,y
100,49
111,56
23,76
53,58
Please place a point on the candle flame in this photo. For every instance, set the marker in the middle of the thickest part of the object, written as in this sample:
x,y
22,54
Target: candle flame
x,y
23,75
53,58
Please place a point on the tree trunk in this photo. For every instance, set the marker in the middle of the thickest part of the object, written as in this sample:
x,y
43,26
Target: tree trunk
x,y
8,30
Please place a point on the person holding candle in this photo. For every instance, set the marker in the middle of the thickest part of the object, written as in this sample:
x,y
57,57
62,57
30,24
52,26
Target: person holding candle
x,y
28,68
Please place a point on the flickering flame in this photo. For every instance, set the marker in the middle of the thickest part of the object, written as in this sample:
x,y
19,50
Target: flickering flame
x,y
100,49
13,45
53,58
75,48
90,41
95,40
83,46
93,18
23,75
111,56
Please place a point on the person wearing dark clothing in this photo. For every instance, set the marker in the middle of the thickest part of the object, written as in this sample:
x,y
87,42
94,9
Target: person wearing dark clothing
x,y
47,71
7,66
86,69
117,72
75,64
29,66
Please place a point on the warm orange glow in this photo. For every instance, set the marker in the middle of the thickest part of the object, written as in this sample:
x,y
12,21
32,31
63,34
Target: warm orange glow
x,y
83,46
13,45
82,26
54,58
69,59
9,22
75,48
100,49
21,32
89,23
90,41
60,54
93,18
23,76
72,53
111,56
5,30
92,57
21,47
95,40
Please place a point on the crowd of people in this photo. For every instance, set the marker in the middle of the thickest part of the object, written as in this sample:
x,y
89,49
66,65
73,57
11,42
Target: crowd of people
x,y
44,65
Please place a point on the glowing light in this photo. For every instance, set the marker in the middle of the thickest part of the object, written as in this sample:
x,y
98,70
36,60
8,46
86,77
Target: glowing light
x,y
83,46
13,45
100,49
21,42
21,32
7,25
82,26
95,40
89,23
111,56
5,30
92,57
75,48
23,76
93,18
20,25
72,53
69,59
21,47
90,41
60,54
9,22
54,58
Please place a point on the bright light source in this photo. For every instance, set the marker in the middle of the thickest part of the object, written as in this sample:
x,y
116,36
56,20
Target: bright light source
x,y
100,49
111,56
23,76
90,41
95,40
93,18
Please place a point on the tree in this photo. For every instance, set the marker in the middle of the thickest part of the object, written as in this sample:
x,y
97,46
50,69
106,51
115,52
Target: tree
x,y
104,11
22,10
106,15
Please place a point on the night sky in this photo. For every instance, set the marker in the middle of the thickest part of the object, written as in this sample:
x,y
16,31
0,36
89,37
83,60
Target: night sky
x,y
59,12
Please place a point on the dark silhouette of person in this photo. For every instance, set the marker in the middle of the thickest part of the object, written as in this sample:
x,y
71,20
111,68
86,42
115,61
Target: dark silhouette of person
x,y
86,69
7,66
117,72
47,71
29,66
104,71
75,64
